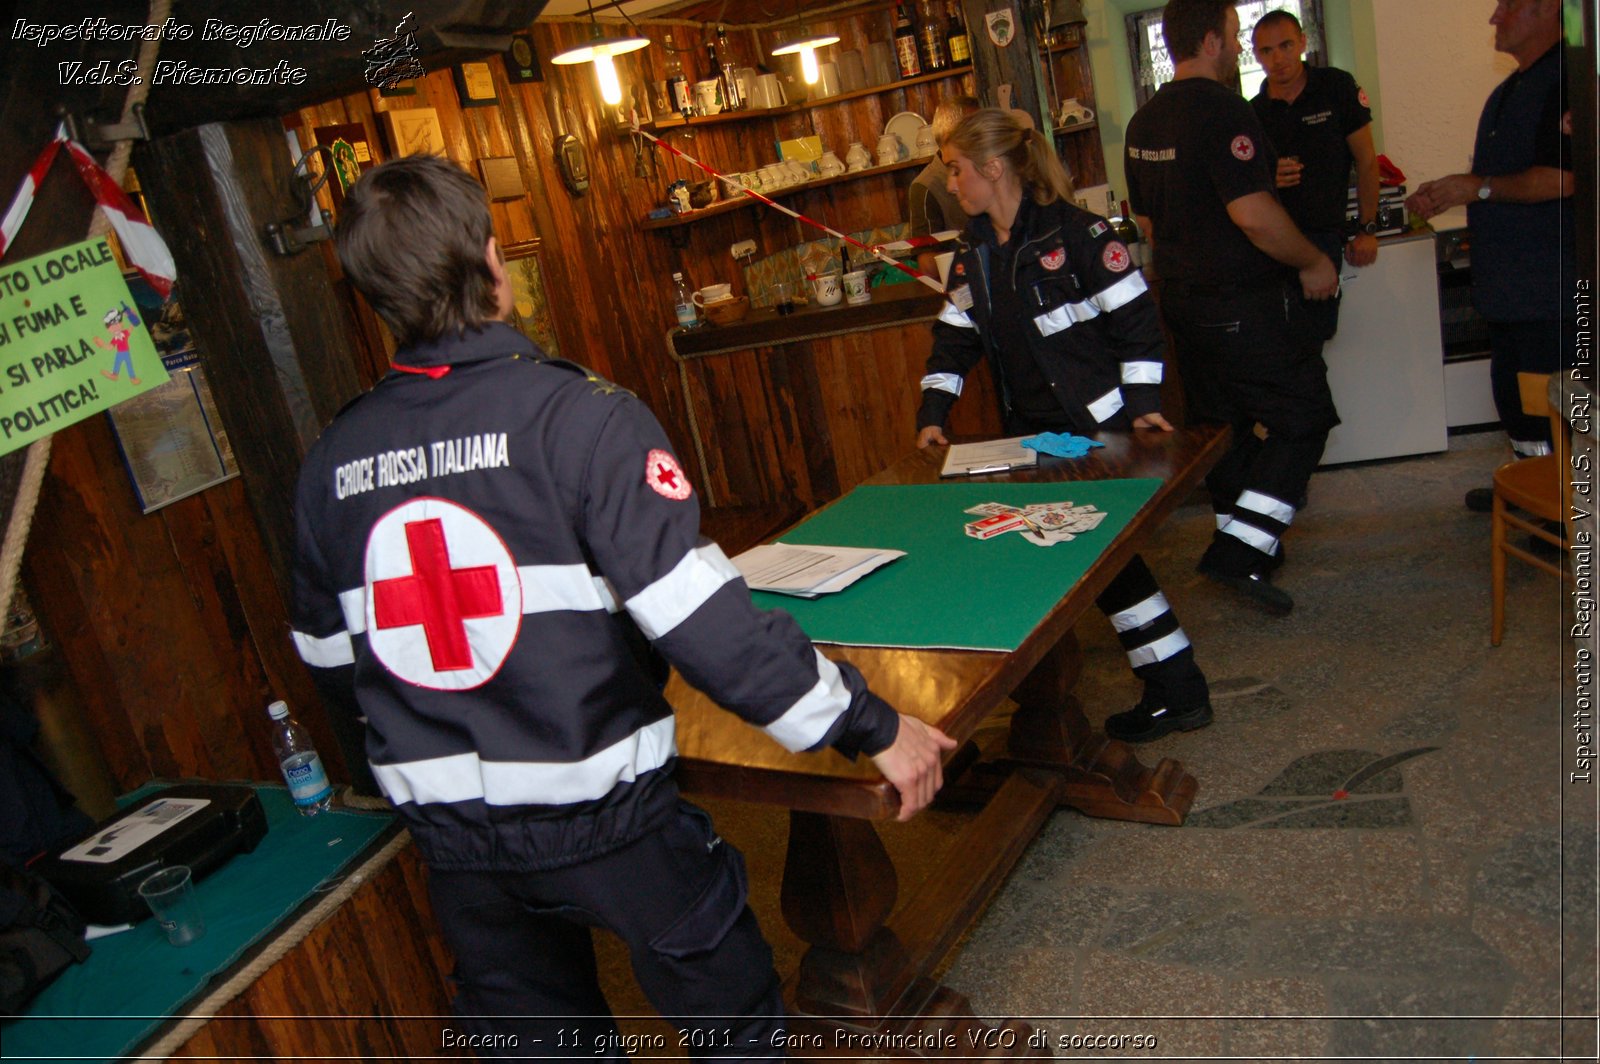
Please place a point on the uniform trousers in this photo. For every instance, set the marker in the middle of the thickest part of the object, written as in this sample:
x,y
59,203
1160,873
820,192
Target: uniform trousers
x,y
1158,649
1248,357
525,964
1526,347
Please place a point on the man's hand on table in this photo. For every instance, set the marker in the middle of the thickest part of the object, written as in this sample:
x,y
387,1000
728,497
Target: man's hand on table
x,y
911,763
1152,420
931,434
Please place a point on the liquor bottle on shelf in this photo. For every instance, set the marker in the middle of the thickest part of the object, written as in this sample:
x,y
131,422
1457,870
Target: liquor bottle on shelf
x,y
956,43
678,94
932,37
732,99
905,43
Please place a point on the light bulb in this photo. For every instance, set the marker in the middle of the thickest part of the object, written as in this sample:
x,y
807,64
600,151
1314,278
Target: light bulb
x,y
606,71
808,65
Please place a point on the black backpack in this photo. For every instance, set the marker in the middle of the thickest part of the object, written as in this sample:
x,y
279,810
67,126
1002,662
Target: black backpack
x,y
40,934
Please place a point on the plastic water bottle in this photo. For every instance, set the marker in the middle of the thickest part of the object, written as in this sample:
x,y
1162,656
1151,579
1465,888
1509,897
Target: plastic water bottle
x,y
688,316
302,768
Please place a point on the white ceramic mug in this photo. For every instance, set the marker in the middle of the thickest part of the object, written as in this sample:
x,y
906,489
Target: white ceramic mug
x,y
1074,113
829,165
889,147
925,142
857,158
856,291
826,289
708,96
827,79
712,293
769,90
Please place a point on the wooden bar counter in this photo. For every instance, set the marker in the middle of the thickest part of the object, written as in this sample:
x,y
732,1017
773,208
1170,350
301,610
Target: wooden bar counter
x,y
801,408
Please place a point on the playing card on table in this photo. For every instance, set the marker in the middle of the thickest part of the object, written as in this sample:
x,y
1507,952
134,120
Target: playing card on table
x,y
990,509
1041,538
1084,522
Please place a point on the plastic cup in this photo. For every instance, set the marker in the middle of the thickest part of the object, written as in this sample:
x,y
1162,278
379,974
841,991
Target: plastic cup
x,y
170,895
783,298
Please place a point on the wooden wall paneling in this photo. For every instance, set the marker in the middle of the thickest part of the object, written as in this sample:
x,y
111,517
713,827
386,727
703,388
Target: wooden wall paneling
x,y
233,748
114,594
272,652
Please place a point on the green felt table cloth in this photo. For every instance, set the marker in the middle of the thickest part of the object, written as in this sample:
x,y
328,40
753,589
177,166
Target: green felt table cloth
x,y
951,590
135,981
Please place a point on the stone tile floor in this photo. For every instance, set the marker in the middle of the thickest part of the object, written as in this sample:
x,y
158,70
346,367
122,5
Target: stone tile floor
x,y
1382,852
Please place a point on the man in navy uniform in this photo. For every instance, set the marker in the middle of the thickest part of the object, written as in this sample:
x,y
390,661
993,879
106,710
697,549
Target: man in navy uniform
x,y
1519,208
1235,276
497,555
1320,125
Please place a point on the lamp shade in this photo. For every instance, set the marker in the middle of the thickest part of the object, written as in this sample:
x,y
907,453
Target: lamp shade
x,y
600,46
806,40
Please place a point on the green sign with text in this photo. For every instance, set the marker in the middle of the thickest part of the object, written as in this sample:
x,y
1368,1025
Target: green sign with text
x,y
71,342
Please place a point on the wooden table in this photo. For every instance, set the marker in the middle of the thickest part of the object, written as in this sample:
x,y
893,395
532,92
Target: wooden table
x,y
868,960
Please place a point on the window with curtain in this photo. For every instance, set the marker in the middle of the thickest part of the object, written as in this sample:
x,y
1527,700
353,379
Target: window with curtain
x,y
1152,65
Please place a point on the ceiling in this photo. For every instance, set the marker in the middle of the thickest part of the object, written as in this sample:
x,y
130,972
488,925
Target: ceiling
x,y
733,12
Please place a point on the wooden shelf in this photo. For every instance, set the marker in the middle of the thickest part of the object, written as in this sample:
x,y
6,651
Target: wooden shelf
x,y
741,201
796,108
1064,46
1077,127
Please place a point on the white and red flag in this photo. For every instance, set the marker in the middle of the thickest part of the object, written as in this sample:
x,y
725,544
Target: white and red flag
x,y
142,245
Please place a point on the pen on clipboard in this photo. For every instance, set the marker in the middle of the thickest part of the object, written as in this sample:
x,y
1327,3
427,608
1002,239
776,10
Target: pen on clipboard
x,y
973,471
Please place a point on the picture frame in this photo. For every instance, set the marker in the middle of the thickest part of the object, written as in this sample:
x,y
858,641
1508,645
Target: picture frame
x,y
530,303
352,152
502,177
474,84
171,437
413,131
521,60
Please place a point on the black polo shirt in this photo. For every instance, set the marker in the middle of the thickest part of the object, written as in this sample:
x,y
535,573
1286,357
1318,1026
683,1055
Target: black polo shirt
x,y
1193,149
1315,127
1524,254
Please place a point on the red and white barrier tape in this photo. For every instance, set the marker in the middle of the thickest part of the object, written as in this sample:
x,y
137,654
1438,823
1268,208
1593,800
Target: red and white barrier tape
x,y
140,242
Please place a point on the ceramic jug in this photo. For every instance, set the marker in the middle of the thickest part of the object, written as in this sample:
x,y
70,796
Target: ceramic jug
x,y
857,158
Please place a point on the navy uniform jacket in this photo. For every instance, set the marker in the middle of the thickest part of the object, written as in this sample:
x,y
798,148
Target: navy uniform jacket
x,y
1094,335
491,549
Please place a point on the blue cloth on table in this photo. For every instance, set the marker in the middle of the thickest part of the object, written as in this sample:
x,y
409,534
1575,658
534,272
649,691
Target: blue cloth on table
x,y
1061,444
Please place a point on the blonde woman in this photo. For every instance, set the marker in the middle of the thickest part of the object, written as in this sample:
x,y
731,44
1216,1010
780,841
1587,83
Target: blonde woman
x,y
1052,298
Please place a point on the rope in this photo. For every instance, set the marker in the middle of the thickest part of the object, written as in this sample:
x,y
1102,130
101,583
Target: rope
x,y
38,459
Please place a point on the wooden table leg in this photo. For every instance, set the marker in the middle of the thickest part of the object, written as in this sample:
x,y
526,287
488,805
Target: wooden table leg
x,y
860,991
1104,777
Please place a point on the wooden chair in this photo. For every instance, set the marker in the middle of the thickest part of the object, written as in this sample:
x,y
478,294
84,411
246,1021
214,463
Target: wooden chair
x,y
1538,486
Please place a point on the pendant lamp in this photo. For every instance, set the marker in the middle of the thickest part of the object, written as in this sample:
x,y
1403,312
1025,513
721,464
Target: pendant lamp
x,y
599,51
806,44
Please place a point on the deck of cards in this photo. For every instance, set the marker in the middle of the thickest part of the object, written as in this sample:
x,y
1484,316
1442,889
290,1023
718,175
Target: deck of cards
x,y
1043,524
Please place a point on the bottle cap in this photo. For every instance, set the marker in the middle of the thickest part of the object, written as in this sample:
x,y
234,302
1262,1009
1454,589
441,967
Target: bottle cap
x,y
278,710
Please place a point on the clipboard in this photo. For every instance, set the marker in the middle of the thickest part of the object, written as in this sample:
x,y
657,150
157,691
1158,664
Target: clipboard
x,y
990,456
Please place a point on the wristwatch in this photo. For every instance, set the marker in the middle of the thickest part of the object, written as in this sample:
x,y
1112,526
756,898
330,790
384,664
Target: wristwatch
x,y
1369,228
1483,191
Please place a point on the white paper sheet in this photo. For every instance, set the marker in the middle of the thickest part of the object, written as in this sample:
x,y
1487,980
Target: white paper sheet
x,y
806,570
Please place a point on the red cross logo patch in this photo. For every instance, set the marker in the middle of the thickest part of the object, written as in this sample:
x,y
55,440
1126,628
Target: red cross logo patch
x,y
1055,260
1361,94
444,601
1116,257
1243,148
666,477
